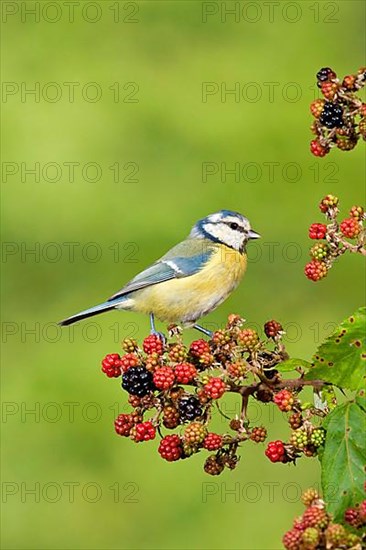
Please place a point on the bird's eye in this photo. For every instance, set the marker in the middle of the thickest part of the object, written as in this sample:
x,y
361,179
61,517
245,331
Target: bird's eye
x,y
234,226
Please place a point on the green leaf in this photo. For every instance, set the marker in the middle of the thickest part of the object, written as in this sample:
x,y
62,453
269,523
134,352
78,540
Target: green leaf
x,y
361,399
344,457
292,364
325,399
341,359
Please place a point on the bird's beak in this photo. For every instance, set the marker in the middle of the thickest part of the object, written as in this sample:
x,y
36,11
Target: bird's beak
x,y
253,234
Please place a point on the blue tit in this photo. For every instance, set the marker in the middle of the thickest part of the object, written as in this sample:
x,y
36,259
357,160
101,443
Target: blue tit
x,y
190,280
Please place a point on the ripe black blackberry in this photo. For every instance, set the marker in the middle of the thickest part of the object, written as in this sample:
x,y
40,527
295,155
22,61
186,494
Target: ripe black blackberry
x,y
324,74
138,381
331,116
189,408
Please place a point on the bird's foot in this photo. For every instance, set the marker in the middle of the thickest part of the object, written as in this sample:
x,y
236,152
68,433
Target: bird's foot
x,y
160,335
154,331
205,331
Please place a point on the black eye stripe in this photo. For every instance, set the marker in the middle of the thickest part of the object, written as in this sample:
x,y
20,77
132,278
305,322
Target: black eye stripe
x,y
237,228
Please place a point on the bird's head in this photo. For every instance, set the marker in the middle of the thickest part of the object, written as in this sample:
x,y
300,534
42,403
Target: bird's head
x,y
225,227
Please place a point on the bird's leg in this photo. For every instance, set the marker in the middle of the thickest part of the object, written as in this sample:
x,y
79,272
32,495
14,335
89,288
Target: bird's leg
x,y
154,331
204,330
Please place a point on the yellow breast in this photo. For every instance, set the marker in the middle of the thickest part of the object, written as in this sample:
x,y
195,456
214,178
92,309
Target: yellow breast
x,y
187,299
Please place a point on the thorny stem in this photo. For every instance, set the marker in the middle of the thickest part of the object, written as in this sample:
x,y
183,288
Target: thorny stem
x,y
340,245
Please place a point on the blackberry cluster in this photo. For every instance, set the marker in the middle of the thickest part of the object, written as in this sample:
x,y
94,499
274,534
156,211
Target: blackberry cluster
x,y
167,394
316,530
323,254
183,384
339,118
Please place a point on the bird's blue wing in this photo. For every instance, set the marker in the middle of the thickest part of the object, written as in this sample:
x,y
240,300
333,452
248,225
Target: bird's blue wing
x,y
170,266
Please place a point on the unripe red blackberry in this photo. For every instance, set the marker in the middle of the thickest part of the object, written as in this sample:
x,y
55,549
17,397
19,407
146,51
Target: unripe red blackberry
x,y
248,338
316,107
357,212
316,270
314,516
362,511
329,89
284,400
292,539
163,378
129,345
237,369
143,431
129,360
350,228
272,329
170,417
317,149
351,516
298,524
170,448
215,388
199,348
310,538
124,424
295,420
185,373
349,82
213,442
195,433
275,451
153,344
319,251
335,535
111,365
258,434
317,231
309,496
328,203
178,353
213,466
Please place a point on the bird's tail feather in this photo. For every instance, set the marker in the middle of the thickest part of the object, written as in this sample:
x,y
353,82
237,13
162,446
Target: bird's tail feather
x,y
106,306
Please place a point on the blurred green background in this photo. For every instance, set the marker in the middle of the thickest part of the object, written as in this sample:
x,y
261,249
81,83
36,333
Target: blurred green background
x,y
94,490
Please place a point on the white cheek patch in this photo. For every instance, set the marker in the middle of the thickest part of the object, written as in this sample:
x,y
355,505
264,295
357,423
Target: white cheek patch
x,y
225,234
